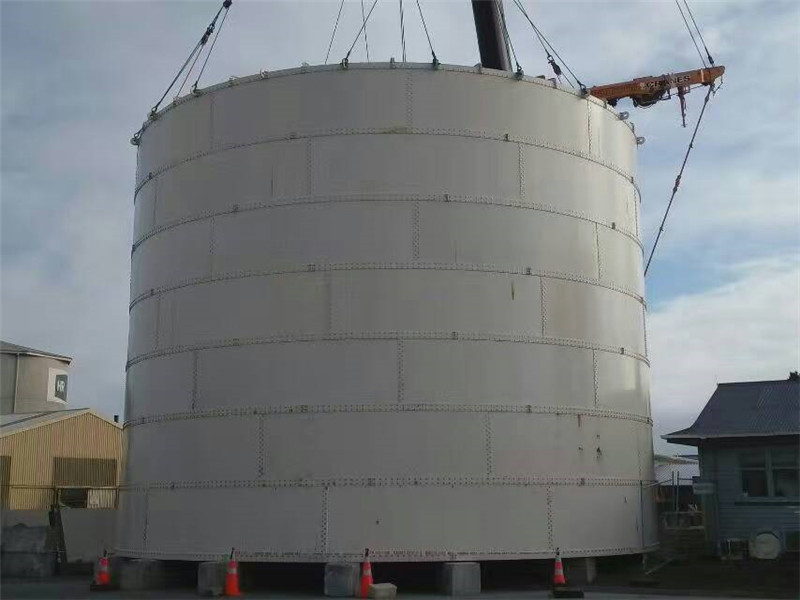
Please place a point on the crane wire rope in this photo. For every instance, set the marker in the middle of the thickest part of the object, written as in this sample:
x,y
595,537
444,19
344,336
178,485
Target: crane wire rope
x,y
402,31
210,49
678,179
333,33
427,35
691,34
543,40
197,48
508,37
364,21
346,59
691,15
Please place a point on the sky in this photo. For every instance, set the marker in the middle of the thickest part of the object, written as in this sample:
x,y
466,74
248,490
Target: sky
x,y
77,79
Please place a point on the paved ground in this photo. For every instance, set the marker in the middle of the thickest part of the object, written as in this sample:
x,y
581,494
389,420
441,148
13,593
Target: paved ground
x,y
78,588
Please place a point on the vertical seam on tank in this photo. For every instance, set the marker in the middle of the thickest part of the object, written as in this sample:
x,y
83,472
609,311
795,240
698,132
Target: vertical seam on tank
x,y
158,320
487,429
589,124
211,243
155,201
195,355
323,534
211,144
595,377
409,99
415,232
309,165
521,160
644,329
637,230
599,256
401,386
549,496
327,278
146,518
542,301
261,445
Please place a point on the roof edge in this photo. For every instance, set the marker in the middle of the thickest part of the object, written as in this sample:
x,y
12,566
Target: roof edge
x,y
67,414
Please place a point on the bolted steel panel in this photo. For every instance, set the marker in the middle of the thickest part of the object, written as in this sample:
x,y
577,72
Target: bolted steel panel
x,y
367,312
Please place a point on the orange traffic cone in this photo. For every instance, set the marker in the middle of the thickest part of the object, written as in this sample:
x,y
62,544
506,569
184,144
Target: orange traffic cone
x,y
558,575
232,578
102,579
366,576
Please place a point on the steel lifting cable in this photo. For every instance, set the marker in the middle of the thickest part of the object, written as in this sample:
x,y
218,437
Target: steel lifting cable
x,y
198,47
678,179
210,49
346,59
691,34
520,73
402,31
333,34
427,35
364,21
691,15
543,40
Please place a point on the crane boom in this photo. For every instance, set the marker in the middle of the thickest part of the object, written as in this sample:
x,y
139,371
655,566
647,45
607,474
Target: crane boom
x,y
645,91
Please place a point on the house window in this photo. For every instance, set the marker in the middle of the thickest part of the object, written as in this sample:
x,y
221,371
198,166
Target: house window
x,y
754,474
785,473
770,473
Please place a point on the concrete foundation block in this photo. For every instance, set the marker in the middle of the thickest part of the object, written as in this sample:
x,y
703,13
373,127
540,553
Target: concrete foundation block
x,y
28,552
382,591
580,571
143,574
460,578
211,578
342,580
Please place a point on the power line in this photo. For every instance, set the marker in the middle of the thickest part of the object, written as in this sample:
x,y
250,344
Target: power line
x,y
425,27
507,36
346,59
210,50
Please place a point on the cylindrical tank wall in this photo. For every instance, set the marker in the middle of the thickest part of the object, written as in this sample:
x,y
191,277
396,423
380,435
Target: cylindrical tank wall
x,y
395,308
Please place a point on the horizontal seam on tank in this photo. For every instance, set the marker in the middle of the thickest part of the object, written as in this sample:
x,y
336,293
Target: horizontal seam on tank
x,y
399,130
383,481
434,407
323,200
378,266
376,553
303,70
387,335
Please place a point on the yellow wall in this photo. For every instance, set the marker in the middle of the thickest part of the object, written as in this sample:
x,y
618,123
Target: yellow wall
x,y
32,452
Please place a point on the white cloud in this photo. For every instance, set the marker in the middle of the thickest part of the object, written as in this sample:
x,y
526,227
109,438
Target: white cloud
x,y
748,329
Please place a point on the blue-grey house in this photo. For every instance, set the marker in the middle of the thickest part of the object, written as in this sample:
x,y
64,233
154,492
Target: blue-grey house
x,y
748,440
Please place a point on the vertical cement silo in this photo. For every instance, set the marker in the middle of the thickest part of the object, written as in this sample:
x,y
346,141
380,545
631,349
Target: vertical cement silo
x,y
367,311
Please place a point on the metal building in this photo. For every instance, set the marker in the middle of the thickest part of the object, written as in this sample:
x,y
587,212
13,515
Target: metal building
x,y
67,457
32,380
387,306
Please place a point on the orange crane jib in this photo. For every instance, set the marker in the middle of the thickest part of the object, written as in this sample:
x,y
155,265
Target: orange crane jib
x,y
646,90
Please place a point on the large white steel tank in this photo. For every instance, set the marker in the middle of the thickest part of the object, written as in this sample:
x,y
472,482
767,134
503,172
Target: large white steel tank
x,y
388,306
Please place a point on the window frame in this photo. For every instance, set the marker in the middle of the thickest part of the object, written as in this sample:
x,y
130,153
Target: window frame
x,y
769,470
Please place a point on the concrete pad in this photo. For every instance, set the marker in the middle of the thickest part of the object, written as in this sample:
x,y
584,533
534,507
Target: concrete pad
x,y
382,591
342,580
143,574
211,578
460,578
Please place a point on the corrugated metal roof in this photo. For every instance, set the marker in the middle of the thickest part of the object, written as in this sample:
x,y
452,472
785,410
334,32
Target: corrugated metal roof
x,y
751,408
683,470
15,423
9,348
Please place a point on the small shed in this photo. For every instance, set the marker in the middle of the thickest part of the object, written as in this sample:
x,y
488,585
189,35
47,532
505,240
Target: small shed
x,y
66,457
748,439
